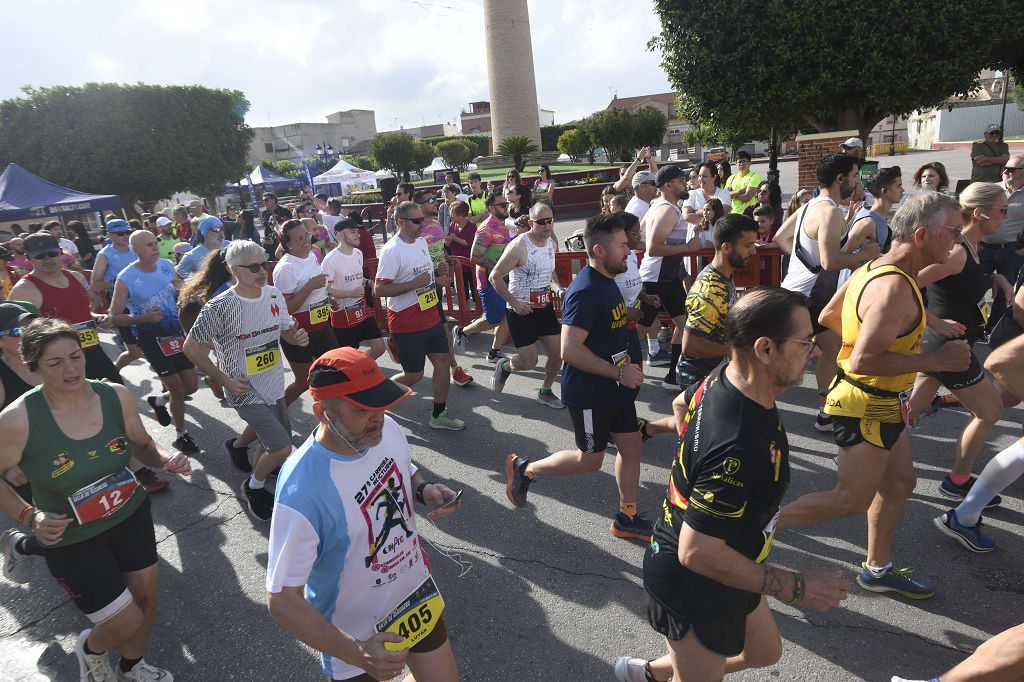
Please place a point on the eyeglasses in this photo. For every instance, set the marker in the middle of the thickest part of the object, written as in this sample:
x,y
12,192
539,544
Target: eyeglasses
x,y
255,267
48,254
957,231
428,201
416,221
503,203
1011,169
543,221
16,332
811,345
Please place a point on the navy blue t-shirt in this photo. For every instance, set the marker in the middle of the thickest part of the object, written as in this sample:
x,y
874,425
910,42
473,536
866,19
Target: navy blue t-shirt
x,y
593,302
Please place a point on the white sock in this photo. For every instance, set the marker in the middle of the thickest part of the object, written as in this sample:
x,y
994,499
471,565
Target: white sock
x,y
653,346
254,484
878,571
1000,472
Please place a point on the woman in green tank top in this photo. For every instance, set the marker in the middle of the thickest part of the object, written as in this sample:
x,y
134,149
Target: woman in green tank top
x,y
72,438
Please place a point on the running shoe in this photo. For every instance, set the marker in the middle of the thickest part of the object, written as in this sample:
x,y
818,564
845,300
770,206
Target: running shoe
x,y
632,528
670,383
162,415
499,376
460,378
823,422
260,501
549,399
665,335
661,359
517,483
907,679
150,481
92,668
496,355
458,337
970,537
447,422
119,342
239,456
631,670
896,580
144,672
958,492
185,444
17,566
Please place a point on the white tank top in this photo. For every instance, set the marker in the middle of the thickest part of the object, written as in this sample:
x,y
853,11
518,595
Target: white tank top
x,y
535,275
663,268
798,277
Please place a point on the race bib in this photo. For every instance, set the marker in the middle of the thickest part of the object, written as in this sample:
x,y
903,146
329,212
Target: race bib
x,y
427,297
621,358
414,618
88,335
320,313
262,358
540,298
356,313
170,345
103,497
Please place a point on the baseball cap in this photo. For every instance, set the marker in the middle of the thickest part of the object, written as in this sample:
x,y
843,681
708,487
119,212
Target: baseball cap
x,y
163,221
210,223
195,203
640,177
118,225
14,315
853,142
352,375
39,243
668,173
992,128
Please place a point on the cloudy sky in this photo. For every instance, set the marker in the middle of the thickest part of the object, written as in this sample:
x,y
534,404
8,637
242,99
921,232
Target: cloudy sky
x,y
412,61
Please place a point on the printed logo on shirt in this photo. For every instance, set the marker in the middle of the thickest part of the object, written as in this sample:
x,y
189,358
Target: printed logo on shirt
x,y
62,465
392,545
117,446
619,315
275,309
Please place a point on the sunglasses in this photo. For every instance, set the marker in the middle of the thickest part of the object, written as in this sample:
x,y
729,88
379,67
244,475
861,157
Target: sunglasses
x,y
428,201
256,267
16,332
415,221
48,254
500,203
544,221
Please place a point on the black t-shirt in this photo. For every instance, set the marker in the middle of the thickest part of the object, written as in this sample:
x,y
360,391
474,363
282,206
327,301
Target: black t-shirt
x,y
593,302
728,479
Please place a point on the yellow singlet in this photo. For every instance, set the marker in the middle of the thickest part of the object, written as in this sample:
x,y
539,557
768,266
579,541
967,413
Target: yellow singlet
x,y
880,399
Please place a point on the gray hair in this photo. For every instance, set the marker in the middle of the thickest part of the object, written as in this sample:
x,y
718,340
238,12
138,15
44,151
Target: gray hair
x,y
1019,157
535,210
979,195
923,207
241,249
405,208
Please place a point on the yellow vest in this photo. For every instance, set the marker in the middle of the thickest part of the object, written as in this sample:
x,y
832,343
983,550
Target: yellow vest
x,y
877,397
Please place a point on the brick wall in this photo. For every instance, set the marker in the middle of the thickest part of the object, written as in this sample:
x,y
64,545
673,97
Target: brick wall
x,y
812,148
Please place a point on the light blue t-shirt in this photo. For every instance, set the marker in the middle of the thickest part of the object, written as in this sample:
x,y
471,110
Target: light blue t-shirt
x,y
116,261
193,260
149,290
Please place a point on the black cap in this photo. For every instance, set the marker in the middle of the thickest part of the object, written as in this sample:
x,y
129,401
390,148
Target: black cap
x,y
39,243
669,173
13,315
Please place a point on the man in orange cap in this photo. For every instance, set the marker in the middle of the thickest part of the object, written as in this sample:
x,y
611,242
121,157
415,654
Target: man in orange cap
x,y
344,532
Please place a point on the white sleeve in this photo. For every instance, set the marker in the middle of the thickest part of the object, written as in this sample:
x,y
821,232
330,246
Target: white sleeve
x,y
291,550
284,279
285,319
389,266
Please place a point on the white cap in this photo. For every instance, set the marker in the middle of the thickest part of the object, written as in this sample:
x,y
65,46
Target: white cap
x,y
162,221
853,142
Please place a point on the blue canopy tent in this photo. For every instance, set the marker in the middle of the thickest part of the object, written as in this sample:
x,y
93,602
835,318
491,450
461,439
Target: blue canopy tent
x,y
25,195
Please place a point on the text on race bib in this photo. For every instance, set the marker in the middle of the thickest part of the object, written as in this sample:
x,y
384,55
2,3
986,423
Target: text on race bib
x,y
415,617
103,497
262,358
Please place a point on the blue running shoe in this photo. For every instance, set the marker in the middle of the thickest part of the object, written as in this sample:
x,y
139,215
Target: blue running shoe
x,y
896,580
970,537
958,492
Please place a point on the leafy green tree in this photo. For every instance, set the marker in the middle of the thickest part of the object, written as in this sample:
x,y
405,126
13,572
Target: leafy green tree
x,y
143,142
480,144
518,147
800,74
395,151
423,154
649,127
285,167
362,161
549,135
613,129
455,153
574,143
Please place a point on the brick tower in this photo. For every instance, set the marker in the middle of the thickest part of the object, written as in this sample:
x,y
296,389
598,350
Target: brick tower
x,y
510,75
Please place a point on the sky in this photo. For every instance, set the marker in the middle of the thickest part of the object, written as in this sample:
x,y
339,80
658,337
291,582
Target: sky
x,y
413,62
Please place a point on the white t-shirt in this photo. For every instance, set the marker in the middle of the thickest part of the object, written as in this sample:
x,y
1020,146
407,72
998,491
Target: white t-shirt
x,y
344,528
638,207
401,262
329,222
696,200
291,274
68,246
344,272
629,282
245,334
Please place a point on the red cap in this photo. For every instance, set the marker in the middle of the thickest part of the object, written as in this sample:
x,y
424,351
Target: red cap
x,y
352,375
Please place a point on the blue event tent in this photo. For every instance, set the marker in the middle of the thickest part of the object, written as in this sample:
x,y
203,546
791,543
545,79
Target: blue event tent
x,y
25,195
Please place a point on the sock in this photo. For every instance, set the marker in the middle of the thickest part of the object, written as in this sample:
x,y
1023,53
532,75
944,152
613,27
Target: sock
x,y
492,353
127,664
959,479
88,651
506,365
628,508
878,571
439,408
254,484
653,346
544,390
677,350
1000,472
530,473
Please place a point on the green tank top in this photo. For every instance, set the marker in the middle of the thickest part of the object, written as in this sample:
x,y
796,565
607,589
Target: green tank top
x,y
58,467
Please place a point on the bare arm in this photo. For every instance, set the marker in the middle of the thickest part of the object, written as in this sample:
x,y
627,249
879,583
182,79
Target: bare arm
x,y
389,289
831,315
862,232
26,291
295,299
581,357
830,233
697,346
199,355
784,237
144,448
512,257
663,223
691,216
931,274
117,314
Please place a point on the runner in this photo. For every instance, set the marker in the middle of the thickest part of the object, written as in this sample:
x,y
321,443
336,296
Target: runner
x,y
148,288
880,316
110,261
243,326
407,277
298,276
491,239
211,234
351,318
529,263
704,575
600,380
88,512
344,533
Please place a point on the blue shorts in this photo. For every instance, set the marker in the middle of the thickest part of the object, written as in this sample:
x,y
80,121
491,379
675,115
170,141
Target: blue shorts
x,y
494,305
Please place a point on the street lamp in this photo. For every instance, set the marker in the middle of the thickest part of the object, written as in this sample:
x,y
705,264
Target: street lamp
x,y
325,152
1002,112
892,138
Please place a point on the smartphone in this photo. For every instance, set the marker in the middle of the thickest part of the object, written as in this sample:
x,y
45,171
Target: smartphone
x,y
450,502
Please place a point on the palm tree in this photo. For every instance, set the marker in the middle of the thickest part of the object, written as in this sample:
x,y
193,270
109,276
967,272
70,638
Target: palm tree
x,y
517,146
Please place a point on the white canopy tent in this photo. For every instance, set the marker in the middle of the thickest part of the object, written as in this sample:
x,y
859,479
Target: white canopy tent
x,y
347,178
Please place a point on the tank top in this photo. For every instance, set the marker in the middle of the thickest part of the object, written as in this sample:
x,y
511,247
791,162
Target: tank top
x,y
956,297
116,261
799,278
663,268
58,467
860,395
70,303
883,236
532,282
149,290
14,385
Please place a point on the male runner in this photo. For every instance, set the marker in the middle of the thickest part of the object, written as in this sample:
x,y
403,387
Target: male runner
x,y
148,288
879,314
347,573
110,261
600,380
704,575
529,264
244,326
351,318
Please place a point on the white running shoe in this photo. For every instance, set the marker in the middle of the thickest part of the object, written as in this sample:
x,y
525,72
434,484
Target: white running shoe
x,y
17,567
92,668
144,672
630,669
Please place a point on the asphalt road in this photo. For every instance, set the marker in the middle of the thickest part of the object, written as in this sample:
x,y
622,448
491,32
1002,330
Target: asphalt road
x,y
550,595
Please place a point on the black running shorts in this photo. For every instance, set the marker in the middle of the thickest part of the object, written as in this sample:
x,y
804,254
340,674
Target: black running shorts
x,y
595,426
526,330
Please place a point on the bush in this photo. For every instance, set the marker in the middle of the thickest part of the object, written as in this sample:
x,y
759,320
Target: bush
x,y
368,198
455,153
480,144
573,143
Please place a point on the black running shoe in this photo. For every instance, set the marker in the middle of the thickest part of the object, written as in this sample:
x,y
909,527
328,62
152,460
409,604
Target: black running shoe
x,y
162,415
185,444
149,480
517,482
239,456
260,502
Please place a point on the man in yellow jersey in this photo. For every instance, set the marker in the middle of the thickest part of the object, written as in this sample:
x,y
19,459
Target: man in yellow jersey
x,y
880,316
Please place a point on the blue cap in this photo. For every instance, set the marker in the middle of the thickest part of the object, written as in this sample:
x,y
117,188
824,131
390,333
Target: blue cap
x,y
208,223
118,225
